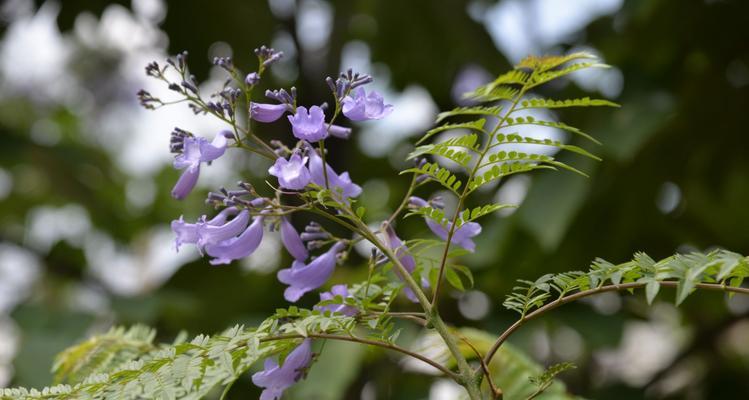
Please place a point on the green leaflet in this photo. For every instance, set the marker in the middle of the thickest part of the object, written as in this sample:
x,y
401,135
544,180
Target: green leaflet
x,y
686,271
477,125
550,103
515,138
551,124
477,110
439,174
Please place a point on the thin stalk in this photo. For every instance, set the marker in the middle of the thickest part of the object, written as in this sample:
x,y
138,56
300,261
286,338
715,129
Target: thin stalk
x,y
585,293
355,339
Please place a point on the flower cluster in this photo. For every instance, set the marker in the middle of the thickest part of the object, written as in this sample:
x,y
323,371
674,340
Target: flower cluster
x,y
301,172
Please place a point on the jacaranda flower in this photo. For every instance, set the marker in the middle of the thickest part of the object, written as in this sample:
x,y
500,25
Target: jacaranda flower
x,y
292,241
302,278
395,243
291,174
209,234
309,126
360,106
341,132
462,236
336,183
337,290
266,112
276,379
188,233
195,151
237,247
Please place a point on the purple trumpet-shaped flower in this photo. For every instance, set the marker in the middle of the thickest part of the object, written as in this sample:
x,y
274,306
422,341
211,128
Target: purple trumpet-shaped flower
x,y
360,106
266,112
292,174
210,234
196,150
292,241
237,247
337,290
337,183
340,132
462,235
302,278
275,379
309,126
401,251
189,233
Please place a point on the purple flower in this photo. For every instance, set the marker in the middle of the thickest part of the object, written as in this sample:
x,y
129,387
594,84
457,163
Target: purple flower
x,y
291,174
401,251
360,106
266,112
340,132
462,236
194,151
337,183
309,126
210,234
189,233
292,241
337,290
276,379
237,247
252,78
302,278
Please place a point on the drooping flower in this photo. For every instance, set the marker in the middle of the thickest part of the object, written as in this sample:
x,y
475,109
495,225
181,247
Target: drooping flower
x,y
309,126
188,233
292,241
209,234
360,106
302,277
292,174
341,132
406,259
337,290
462,235
275,379
196,150
266,112
336,183
237,247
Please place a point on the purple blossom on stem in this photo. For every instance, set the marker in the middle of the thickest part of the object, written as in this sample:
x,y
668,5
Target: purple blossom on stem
x,y
462,235
252,79
292,174
336,183
237,247
266,112
292,241
196,150
337,290
340,132
309,126
302,278
275,379
360,106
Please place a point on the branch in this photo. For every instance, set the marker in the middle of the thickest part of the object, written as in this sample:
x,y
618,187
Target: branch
x,y
384,345
585,293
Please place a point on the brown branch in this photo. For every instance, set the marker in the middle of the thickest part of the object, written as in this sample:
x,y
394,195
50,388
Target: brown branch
x,y
384,345
585,293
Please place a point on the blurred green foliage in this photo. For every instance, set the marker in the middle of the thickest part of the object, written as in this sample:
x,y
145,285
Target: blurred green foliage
x,y
682,125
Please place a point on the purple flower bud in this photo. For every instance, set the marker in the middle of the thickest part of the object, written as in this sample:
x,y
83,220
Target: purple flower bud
x,y
237,247
209,234
462,236
252,79
194,151
340,131
188,233
337,183
337,290
275,379
360,106
417,202
265,112
291,174
291,240
309,126
302,278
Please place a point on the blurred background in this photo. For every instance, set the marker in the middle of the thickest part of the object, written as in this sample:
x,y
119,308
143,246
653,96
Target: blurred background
x,y
85,176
